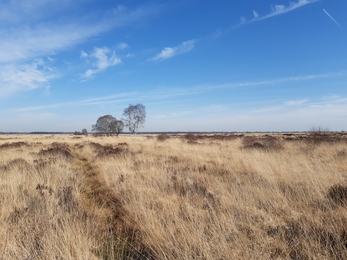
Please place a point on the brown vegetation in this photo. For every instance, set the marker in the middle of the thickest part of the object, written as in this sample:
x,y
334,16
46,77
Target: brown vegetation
x,y
194,196
163,137
266,142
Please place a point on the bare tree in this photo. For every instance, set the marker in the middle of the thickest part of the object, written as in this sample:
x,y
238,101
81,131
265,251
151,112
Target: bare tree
x,y
135,117
108,125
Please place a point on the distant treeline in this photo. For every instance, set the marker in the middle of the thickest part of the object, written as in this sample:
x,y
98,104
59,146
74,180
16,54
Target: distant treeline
x,y
179,132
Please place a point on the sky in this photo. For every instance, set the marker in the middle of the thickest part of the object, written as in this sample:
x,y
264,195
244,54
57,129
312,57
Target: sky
x,y
196,65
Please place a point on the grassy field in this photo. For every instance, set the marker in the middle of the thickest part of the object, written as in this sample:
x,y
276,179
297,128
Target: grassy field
x,y
233,196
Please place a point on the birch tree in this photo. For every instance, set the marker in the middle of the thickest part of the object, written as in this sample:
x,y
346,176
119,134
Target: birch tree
x,y
135,118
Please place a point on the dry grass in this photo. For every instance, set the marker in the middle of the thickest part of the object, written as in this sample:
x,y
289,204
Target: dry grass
x,y
178,197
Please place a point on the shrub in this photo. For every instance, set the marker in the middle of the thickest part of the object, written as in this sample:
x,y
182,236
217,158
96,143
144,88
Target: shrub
x,y
272,143
109,150
84,132
163,137
191,137
338,194
251,142
319,134
263,143
57,149
342,153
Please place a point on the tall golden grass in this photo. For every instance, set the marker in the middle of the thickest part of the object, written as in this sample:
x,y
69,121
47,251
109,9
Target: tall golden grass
x,y
173,197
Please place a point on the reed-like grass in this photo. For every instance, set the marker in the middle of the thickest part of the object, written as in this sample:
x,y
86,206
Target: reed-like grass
x,y
178,197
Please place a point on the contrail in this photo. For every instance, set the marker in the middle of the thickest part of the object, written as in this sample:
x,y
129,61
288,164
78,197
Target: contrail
x,y
332,18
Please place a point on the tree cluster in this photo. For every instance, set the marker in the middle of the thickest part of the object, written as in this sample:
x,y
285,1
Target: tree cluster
x,y
108,125
84,132
134,119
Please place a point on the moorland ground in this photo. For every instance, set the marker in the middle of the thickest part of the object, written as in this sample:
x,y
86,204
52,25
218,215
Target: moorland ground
x,y
231,196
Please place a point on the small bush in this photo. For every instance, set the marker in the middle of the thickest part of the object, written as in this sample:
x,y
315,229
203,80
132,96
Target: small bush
x,y
338,194
84,132
190,137
109,150
271,143
163,137
342,153
263,143
251,142
57,149
13,145
319,134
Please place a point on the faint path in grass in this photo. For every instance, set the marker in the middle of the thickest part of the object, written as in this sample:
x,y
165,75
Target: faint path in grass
x,y
120,238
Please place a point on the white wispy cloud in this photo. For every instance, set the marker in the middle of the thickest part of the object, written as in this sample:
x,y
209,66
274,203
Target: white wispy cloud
x,y
295,102
332,18
216,108
111,99
122,46
291,104
278,80
103,61
297,116
84,54
31,42
15,78
277,10
170,52
20,11
243,20
45,26
156,96
256,15
300,115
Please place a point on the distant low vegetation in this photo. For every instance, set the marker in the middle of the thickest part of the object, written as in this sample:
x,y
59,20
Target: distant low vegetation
x,y
83,132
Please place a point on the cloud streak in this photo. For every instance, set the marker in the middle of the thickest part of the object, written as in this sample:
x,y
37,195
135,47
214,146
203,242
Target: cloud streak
x,y
103,61
35,30
16,78
277,10
26,43
46,27
124,97
305,105
295,102
162,95
332,18
174,93
170,52
279,80
122,46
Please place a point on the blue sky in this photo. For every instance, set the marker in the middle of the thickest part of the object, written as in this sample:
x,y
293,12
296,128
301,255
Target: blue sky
x,y
197,65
